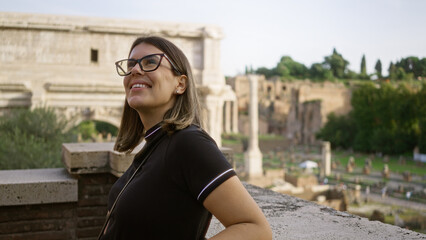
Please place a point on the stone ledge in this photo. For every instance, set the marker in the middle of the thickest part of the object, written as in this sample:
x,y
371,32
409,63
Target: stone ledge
x,y
80,158
86,158
37,186
50,22
294,218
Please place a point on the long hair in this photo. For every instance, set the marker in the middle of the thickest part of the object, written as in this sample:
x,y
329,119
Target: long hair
x,y
186,110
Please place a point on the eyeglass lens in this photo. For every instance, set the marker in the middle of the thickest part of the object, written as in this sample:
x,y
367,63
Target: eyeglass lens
x,y
148,63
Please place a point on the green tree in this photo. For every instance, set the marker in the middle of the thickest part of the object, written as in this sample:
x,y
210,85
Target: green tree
x,y
34,138
351,74
363,72
400,73
105,128
339,131
410,65
392,71
287,67
378,68
363,103
317,71
422,68
337,64
87,129
265,71
421,108
388,119
413,67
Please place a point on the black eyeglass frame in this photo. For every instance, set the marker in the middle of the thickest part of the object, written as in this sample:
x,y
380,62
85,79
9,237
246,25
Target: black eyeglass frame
x,y
140,65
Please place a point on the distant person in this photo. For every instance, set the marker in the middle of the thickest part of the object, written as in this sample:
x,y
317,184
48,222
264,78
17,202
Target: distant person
x,y
384,189
180,177
367,193
325,181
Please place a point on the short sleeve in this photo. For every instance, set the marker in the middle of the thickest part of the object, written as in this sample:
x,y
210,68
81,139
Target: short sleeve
x,y
202,166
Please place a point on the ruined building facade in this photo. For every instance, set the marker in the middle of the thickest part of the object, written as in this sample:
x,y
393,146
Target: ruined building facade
x,y
296,109
67,63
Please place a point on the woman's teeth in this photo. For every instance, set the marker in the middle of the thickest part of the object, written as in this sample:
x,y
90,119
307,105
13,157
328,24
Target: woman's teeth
x,y
140,86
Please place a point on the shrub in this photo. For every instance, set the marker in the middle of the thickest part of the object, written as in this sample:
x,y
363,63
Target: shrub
x,y
339,131
32,138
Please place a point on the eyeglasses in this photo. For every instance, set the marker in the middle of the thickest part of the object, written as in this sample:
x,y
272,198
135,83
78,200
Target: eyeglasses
x,y
148,63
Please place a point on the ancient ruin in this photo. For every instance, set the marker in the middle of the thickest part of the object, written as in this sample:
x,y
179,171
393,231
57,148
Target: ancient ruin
x,y
67,63
295,109
253,156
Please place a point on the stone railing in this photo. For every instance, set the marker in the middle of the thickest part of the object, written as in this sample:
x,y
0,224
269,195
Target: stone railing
x,y
71,204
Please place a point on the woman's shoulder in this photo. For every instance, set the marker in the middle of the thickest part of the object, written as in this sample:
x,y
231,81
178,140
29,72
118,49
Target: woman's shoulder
x,y
191,130
190,135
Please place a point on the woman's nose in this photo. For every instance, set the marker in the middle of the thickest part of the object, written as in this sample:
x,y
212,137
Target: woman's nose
x,y
137,69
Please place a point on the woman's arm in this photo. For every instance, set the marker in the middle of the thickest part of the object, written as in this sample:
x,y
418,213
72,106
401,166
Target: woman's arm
x,y
233,206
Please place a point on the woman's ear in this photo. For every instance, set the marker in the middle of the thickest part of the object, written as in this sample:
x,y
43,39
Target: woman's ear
x,y
182,84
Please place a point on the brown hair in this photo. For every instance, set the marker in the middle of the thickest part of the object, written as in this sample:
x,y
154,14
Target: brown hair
x,y
186,110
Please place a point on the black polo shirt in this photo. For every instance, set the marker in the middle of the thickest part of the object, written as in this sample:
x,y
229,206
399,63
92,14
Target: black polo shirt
x,y
165,199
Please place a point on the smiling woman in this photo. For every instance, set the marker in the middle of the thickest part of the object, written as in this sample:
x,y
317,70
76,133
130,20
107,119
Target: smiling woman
x,y
180,178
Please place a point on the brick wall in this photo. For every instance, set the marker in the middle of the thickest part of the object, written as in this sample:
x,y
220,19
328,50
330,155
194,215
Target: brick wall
x,y
59,221
91,210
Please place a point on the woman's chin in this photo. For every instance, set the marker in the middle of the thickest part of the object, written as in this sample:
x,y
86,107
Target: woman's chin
x,y
137,105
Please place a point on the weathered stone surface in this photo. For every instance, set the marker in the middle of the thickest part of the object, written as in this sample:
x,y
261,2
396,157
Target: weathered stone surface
x,y
289,217
284,103
36,186
86,157
40,64
293,218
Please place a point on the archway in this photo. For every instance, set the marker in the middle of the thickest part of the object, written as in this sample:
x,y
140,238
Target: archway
x,y
96,131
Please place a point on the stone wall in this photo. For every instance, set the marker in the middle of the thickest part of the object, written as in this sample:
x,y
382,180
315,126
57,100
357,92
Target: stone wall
x,y
44,221
67,62
52,204
289,108
52,211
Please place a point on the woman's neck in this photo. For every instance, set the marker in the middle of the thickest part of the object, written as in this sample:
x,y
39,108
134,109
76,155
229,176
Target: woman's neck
x,y
150,119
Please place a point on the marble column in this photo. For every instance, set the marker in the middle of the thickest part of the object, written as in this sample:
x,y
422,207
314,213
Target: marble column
x,y
235,116
213,113
227,117
253,156
326,160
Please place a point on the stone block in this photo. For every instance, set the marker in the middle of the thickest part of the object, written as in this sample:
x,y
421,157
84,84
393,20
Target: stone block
x,y
86,157
119,162
35,186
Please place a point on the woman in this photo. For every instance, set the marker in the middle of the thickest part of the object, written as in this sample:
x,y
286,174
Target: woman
x,y
183,177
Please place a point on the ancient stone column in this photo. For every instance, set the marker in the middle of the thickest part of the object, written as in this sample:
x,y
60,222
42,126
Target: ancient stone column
x,y
253,156
234,127
214,106
227,117
326,160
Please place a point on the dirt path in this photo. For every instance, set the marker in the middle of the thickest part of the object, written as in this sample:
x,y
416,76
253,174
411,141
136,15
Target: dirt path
x,y
395,201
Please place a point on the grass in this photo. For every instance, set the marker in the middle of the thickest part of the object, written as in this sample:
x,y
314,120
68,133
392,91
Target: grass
x,y
236,138
233,138
412,218
378,164
271,137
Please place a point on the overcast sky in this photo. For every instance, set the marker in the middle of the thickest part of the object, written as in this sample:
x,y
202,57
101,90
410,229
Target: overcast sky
x,y
258,33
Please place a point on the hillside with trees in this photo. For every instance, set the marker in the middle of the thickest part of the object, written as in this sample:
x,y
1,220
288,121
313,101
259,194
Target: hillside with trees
x,y
335,67
388,116
385,118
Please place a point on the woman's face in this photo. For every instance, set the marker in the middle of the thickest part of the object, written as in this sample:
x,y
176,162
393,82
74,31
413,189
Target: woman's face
x,y
150,91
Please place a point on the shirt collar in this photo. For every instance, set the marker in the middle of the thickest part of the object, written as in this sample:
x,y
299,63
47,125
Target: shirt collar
x,y
153,131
